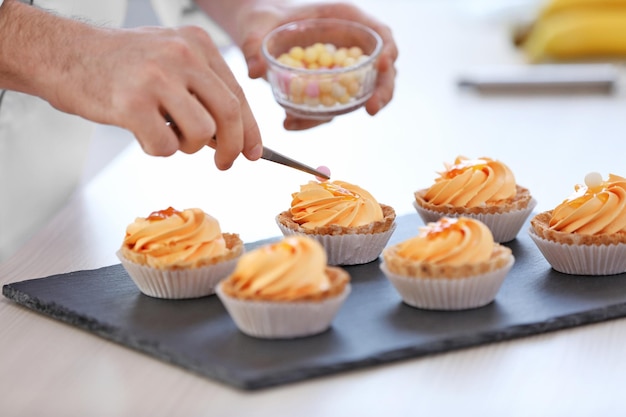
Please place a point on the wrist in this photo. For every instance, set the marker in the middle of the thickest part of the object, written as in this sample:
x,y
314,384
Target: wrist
x,y
254,16
236,17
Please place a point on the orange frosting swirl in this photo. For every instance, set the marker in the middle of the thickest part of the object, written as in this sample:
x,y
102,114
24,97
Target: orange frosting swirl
x,y
290,269
319,204
593,209
471,183
172,238
450,241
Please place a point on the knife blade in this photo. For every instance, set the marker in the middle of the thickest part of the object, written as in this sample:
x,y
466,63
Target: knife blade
x,y
544,78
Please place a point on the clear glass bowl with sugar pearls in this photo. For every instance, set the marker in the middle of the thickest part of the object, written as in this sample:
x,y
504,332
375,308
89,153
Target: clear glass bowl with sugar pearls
x,y
321,68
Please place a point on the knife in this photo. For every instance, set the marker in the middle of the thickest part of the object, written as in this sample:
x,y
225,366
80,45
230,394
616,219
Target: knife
x,y
543,78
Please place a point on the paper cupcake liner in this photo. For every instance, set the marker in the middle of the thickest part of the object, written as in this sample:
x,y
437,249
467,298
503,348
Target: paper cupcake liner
x,y
504,226
282,320
449,293
179,283
582,259
348,249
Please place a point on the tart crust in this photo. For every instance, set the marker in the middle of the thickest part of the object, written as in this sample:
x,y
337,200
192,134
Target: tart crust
x,y
540,224
389,215
234,244
519,202
500,257
339,279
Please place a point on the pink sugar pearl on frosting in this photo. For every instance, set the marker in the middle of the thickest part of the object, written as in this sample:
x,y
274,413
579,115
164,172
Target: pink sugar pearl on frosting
x,y
325,170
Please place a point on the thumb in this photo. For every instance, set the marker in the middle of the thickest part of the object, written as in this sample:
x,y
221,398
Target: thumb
x,y
251,49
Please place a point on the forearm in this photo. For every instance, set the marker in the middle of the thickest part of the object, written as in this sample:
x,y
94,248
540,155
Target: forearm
x,y
36,47
131,78
232,14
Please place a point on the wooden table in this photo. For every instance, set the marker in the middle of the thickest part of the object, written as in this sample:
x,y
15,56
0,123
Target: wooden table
x,y
550,142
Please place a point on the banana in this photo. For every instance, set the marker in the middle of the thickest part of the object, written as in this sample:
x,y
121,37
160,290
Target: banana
x,y
554,7
578,34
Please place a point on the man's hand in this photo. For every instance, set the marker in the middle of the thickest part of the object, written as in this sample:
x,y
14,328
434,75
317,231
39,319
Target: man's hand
x,y
138,79
178,74
256,21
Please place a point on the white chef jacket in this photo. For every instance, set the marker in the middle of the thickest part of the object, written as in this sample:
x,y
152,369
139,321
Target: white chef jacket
x,y
42,150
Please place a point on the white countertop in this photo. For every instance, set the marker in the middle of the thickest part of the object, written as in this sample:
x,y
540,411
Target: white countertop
x,y
550,142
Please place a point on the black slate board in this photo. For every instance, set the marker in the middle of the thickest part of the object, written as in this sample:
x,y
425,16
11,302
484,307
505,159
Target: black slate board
x,y
373,326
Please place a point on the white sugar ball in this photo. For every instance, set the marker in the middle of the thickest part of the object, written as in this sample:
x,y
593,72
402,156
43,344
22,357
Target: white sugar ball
x,y
593,179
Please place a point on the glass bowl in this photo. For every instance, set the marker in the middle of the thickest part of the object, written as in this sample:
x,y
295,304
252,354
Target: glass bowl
x,y
322,68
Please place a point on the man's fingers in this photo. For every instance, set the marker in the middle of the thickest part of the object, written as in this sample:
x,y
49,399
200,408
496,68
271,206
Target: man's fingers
x,y
383,92
193,124
226,112
251,50
295,123
251,136
219,93
154,134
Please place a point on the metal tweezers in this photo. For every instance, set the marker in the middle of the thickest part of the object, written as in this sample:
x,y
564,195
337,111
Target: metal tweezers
x,y
269,155
274,156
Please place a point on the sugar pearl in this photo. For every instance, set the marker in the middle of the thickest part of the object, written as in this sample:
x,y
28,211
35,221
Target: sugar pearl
x,y
355,52
346,79
349,61
344,99
353,87
310,55
319,48
297,53
312,89
325,59
325,170
297,99
340,55
311,101
319,55
289,61
284,80
327,100
338,91
593,179
285,59
296,87
326,86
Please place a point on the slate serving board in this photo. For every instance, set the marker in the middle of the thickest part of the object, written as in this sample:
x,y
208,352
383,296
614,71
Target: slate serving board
x,y
373,326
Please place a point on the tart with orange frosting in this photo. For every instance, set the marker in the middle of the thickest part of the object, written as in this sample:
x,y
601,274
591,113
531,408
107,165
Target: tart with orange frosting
x,y
348,221
284,290
451,264
586,233
178,254
482,188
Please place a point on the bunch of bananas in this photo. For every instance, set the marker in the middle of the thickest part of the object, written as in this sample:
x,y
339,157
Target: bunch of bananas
x,y
575,30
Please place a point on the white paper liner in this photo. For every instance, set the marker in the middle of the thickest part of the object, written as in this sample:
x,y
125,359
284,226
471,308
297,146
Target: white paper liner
x,y
348,249
282,320
504,226
449,293
582,259
180,283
